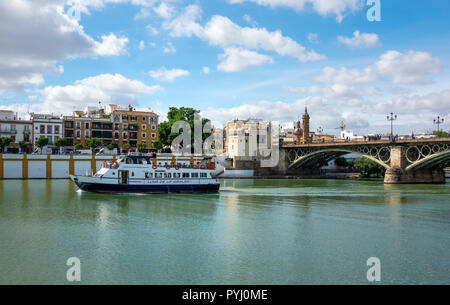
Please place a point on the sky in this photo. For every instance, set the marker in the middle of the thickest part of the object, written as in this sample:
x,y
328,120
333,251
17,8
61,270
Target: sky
x,y
233,59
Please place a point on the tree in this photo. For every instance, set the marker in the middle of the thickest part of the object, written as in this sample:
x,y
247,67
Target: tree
x,y
61,142
126,146
93,143
111,146
78,146
441,134
174,115
368,168
341,162
41,142
23,145
157,145
141,146
4,142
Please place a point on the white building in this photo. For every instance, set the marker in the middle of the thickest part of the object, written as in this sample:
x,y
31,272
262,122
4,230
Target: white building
x,y
349,136
12,127
47,126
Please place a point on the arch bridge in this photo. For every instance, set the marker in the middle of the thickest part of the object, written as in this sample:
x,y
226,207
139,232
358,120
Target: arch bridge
x,y
406,161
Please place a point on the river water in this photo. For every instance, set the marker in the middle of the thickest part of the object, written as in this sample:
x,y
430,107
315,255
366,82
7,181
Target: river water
x,y
253,232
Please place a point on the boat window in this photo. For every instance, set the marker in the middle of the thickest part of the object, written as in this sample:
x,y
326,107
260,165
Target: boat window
x,y
185,175
148,175
194,175
128,161
169,175
132,174
203,175
165,175
142,161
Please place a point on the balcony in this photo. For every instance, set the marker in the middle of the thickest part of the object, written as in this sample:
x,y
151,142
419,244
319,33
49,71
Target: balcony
x,y
8,131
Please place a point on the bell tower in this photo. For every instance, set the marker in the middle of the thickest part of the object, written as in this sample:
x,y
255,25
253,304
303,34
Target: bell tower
x,y
305,119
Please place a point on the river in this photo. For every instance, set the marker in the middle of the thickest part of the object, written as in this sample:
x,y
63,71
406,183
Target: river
x,y
253,232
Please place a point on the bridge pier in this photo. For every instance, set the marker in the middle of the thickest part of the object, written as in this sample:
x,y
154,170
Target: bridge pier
x,y
397,173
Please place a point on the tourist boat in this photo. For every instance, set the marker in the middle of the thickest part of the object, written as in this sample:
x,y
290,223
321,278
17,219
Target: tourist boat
x,y
148,174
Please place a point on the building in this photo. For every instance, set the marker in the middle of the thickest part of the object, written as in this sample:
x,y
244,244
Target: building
x,y
243,140
302,134
48,126
112,124
16,129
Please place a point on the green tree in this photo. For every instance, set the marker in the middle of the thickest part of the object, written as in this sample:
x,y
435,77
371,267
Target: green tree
x,y
78,146
157,145
368,168
141,146
61,142
126,146
41,142
5,141
174,115
93,143
441,134
23,145
341,162
111,146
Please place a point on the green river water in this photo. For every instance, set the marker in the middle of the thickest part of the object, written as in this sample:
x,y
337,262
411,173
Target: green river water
x,y
252,232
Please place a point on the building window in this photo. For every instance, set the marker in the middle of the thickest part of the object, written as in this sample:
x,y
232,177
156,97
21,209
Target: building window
x,y
49,129
144,119
116,126
78,133
144,127
78,125
125,135
153,135
124,117
86,126
56,129
133,118
125,126
144,135
153,127
42,128
116,135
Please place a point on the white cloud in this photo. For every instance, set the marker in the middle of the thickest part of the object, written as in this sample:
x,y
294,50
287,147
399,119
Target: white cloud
x,y
399,68
152,30
169,49
164,74
360,40
337,91
250,20
141,45
408,68
313,38
164,10
340,8
108,88
221,31
36,36
206,70
237,59
111,45
430,103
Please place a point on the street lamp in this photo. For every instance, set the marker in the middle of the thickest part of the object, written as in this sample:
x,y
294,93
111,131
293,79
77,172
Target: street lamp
x,y
319,130
438,121
392,117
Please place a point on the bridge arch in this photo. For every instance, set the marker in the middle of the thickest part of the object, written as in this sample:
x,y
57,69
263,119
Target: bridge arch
x,y
430,161
379,155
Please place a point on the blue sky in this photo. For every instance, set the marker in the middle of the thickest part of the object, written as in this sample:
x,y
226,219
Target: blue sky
x,y
232,59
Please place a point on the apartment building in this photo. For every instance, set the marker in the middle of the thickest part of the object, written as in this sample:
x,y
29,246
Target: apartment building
x,y
16,129
112,124
47,126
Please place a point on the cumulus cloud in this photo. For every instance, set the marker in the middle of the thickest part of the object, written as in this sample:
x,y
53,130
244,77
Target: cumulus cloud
x,y
206,70
338,91
170,49
36,35
108,88
164,74
360,40
313,37
237,59
221,31
340,8
399,68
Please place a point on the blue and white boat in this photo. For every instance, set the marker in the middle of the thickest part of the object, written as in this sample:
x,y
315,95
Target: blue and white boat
x,y
148,174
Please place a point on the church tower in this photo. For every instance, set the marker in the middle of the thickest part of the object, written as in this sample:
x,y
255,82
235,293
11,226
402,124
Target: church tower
x,y
305,119
298,133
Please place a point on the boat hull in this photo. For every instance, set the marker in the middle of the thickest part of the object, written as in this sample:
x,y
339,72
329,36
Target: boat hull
x,y
146,188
